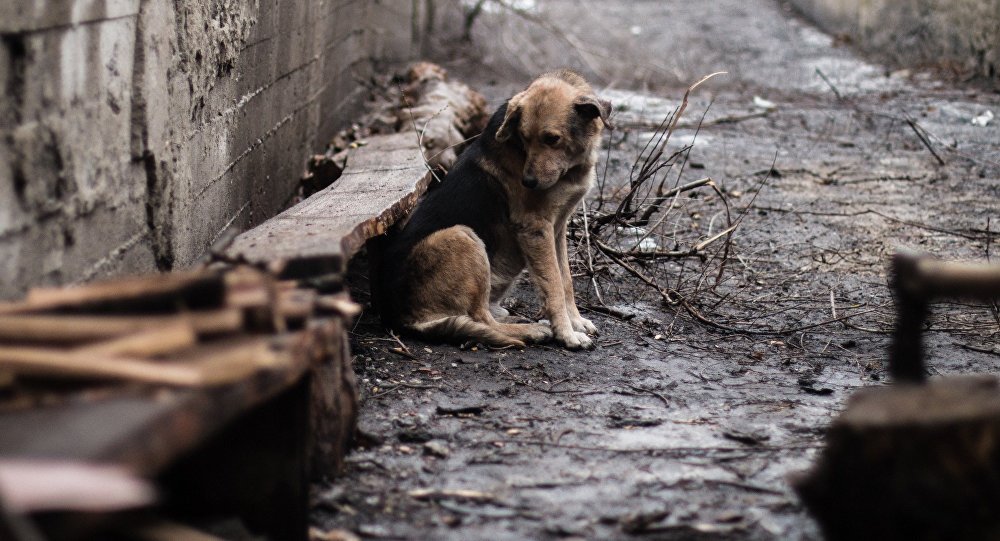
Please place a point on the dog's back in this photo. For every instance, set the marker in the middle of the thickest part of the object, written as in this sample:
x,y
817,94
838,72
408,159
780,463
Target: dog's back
x,y
467,196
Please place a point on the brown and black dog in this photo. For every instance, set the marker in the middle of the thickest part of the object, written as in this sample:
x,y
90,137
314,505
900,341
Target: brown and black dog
x,y
504,205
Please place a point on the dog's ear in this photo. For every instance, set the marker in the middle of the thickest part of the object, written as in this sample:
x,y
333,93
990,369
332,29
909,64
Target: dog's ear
x,y
510,118
591,107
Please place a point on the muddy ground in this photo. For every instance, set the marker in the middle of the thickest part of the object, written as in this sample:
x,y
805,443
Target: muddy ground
x,y
675,428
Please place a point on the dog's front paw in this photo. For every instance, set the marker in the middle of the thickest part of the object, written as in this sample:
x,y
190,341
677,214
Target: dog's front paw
x,y
583,325
574,340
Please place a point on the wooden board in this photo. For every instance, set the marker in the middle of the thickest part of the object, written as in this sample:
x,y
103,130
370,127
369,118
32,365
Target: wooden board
x,y
150,293
145,431
381,183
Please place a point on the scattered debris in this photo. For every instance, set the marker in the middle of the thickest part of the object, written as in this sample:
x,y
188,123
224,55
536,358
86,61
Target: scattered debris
x,y
640,522
766,105
983,120
461,410
808,384
315,534
451,494
746,435
436,448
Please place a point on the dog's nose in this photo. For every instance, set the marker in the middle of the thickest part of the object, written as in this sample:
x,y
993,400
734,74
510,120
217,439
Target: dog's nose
x,y
529,181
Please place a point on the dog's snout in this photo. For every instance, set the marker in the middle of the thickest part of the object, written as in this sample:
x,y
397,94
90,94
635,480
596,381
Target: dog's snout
x,y
530,181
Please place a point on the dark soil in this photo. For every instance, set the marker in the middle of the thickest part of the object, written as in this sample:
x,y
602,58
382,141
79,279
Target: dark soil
x,y
675,428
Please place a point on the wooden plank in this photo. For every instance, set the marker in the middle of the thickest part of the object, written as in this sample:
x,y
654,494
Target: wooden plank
x,y
381,183
54,363
160,341
191,289
84,431
146,432
33,485
216,363
169,531
68,329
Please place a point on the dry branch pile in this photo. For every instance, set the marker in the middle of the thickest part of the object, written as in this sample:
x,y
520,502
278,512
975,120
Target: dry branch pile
x,y
676,240
639,227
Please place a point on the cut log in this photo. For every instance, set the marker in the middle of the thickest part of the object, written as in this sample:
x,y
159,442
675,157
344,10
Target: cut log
x,y
911,462
918,280
340,304
380,184
444,113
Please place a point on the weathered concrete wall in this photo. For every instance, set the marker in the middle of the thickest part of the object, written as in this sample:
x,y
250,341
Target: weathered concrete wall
x,y
965,33
133,133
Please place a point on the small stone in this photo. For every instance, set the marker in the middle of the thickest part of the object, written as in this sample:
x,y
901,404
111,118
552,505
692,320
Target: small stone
x,y
436,448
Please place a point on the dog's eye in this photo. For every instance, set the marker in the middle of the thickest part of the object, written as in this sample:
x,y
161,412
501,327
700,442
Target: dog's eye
x,y
550,139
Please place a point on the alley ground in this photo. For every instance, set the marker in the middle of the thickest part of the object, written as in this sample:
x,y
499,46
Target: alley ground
x,y
674,428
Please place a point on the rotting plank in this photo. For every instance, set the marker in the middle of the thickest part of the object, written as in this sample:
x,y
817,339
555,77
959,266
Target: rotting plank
x,y
149,431
381,183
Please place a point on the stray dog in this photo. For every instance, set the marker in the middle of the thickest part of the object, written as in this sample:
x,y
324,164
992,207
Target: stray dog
x,y
503,206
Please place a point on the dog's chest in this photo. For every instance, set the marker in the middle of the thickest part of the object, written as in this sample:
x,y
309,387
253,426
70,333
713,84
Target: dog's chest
x,y
565,196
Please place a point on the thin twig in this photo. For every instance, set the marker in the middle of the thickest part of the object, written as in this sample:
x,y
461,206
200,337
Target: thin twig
x,y
923,139
649,391
828,83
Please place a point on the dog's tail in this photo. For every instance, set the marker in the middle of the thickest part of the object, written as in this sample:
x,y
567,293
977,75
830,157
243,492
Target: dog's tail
x,y
464,328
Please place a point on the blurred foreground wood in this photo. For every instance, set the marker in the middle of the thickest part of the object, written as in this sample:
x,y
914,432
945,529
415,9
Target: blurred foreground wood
x,y
916,460
220,385
222,390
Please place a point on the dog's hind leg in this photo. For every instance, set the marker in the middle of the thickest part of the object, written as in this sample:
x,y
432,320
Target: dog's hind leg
x,y
452,291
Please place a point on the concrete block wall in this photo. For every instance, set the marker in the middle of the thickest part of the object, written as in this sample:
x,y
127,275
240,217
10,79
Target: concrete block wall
x,y
134,133
962,33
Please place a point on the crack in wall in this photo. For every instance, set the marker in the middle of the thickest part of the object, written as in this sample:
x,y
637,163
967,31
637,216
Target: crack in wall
x,y
158,200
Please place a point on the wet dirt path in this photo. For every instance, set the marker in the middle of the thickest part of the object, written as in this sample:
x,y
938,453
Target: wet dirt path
x,y
672,429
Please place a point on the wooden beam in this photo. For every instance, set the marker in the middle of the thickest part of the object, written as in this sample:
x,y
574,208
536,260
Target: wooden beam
x,y
68,329
381,184
192,289
217,363
149,343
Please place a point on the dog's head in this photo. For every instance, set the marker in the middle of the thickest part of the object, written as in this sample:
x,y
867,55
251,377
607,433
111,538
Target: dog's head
x,y
558,121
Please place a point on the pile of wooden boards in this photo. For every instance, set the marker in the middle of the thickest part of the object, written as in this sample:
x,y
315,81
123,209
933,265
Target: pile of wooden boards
x,y
223,384
198,328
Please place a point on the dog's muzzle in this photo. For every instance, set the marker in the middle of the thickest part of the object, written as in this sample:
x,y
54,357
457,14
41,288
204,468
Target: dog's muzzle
x,y
529,182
